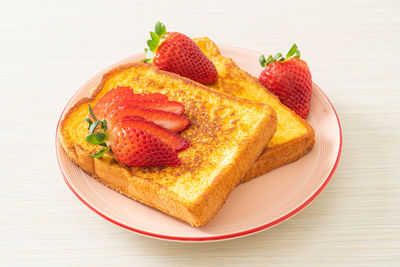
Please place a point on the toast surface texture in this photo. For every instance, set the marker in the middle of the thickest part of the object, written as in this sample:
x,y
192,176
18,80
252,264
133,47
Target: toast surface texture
x,y
294,137
227,134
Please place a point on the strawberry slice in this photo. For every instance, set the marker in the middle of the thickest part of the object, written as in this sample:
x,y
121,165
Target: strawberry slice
x,y
137,148
172,139
122,92
169,106
109,97
169,120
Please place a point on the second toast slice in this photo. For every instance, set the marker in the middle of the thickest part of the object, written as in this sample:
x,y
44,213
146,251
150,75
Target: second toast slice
x,y
294,136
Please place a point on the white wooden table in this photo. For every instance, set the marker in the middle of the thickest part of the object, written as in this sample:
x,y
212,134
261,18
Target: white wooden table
x,y
49,48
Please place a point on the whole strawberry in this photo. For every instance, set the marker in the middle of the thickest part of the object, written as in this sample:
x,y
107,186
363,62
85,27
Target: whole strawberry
x,y
289,78
177,53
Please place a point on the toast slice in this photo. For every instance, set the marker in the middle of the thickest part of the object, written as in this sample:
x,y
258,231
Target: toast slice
x,y
227,134
294,137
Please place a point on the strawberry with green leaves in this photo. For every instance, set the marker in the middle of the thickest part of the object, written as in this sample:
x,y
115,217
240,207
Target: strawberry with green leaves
x,y
289,78
177,53
136,142
140,129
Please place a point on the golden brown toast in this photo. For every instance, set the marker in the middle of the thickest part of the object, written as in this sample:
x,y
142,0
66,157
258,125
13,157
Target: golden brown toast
x,y
227,134
294,137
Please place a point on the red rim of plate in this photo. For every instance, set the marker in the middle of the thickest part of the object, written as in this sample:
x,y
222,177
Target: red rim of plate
x,y
210,238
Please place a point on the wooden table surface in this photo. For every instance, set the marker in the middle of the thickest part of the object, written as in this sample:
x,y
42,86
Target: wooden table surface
x,y
50,48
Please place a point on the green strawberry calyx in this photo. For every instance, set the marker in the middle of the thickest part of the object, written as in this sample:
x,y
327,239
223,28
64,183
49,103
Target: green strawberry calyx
x,y
157,37
294,52
98,137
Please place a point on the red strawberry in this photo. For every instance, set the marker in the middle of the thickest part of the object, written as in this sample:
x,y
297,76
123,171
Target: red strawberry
x,y
171,121
109,97
175,52
169,106
122,92
172,139
137,148
290,79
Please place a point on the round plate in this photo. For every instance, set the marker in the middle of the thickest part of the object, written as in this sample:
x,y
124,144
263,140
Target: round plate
x,y
254,206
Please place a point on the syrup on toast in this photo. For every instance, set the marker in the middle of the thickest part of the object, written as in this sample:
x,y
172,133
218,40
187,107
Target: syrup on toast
x,y
294,137
227,134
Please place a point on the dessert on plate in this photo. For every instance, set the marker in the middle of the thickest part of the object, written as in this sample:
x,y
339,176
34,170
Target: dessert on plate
x,y
181,129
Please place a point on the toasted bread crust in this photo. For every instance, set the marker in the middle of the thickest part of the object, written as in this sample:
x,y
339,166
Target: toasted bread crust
x,y
273,156
206,206
279,155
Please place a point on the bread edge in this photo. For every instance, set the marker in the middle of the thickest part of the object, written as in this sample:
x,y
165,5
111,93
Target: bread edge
x,y
279,155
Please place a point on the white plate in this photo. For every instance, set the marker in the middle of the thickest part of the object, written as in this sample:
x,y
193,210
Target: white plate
x,y
254,206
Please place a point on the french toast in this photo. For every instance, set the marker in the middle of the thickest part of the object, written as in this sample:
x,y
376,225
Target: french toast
x,y
227,134
294,136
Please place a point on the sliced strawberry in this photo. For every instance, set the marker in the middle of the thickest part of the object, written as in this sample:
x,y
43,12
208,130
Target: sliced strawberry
x,y
122,92
109,97
171,121
137,148
169,106
172,139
